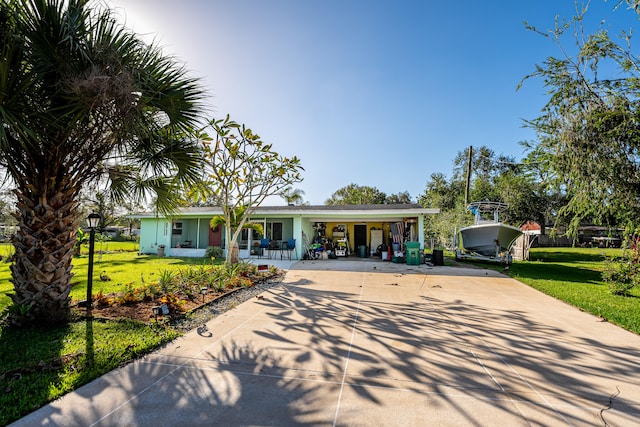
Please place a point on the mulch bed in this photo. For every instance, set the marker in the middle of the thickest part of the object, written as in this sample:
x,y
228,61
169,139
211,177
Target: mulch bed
x,y
190,313
142,311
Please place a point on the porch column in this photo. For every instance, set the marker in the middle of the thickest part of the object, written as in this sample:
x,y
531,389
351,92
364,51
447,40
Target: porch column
x,y
198,235
421,231
297,234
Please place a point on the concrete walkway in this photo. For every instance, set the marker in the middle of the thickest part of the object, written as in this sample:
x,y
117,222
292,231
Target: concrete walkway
x,y
361,343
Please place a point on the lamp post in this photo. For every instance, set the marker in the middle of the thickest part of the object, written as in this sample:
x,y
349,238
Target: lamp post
x,y
93,220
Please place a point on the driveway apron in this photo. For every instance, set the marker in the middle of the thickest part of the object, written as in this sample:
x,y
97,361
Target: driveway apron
x,y
364,343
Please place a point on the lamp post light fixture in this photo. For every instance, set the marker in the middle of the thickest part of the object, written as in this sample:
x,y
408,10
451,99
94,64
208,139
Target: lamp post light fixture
x,y
203,291
93,220
156,310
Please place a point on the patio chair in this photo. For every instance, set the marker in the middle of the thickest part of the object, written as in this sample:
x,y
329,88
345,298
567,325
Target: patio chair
x,y
264,246
275,246
290,248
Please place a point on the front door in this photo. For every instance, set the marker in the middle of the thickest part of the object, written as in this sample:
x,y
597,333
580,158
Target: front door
x,y
359,237
215,236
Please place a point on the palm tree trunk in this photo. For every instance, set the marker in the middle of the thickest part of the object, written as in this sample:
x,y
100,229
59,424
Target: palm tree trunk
x,y
233,253
41,271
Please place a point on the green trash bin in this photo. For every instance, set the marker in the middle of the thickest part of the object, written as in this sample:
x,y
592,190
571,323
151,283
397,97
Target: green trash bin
x,y
413,253
362,251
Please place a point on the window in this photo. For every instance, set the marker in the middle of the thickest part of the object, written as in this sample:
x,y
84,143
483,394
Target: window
x,y
277,231
177,228
245,234
274,230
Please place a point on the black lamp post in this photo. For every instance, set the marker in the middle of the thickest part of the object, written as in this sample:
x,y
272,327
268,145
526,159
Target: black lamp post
x,y
93,220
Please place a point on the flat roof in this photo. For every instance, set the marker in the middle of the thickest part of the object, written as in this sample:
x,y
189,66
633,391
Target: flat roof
x,y
316,213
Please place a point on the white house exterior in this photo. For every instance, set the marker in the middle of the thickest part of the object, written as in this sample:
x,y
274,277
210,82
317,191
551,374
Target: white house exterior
x,y
187,233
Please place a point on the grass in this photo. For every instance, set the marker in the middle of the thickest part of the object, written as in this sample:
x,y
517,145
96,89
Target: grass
x,y
38,365
6,250
575,276
124,268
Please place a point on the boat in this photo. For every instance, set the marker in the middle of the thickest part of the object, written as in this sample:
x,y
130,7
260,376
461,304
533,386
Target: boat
x,y
487,238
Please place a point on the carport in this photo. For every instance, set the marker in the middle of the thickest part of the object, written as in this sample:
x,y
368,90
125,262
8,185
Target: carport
x,y
364,225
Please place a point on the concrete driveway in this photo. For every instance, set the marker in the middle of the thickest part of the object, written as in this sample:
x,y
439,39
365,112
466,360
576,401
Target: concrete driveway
x,y
363,343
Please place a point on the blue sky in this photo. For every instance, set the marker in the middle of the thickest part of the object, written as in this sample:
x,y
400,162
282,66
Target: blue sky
x,y
375,92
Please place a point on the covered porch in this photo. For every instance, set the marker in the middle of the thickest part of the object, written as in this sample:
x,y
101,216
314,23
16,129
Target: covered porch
x,y
289,231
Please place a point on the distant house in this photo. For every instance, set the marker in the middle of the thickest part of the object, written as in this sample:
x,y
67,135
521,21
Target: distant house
x,y
531,227
187,233
589,235
113,232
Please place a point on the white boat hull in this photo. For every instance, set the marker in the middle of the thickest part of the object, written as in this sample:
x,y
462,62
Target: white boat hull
x,y
490,240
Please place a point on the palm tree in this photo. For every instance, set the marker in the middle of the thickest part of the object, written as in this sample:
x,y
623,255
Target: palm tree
x,y
231,224
292,196
83,101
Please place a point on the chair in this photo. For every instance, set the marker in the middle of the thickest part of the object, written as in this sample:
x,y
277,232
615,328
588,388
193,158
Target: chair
x,y
264,245
275,246
290,248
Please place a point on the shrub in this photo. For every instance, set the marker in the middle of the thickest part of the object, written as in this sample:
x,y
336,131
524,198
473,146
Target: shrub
x,y
101,300
229,271
214,252
214,279
241,282
246,269
166,280
621,274
173,302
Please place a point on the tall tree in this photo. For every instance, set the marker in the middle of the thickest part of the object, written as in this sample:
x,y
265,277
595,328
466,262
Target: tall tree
x,y
398,198
242,172
101,203
589,130
354,194
441,193
486,168
82,100
495,178
293,196
448,196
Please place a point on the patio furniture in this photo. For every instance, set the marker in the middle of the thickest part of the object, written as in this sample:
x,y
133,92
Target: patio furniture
x,y
289,247
274,247
265,245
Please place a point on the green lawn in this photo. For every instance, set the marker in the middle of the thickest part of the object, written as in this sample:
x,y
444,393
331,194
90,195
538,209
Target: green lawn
x,y
6,250
124,269
38,365
573,275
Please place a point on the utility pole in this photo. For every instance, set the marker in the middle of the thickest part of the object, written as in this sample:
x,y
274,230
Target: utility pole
x,y
466,189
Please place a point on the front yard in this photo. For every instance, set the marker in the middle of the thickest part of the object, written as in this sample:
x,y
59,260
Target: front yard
x,y
38,365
